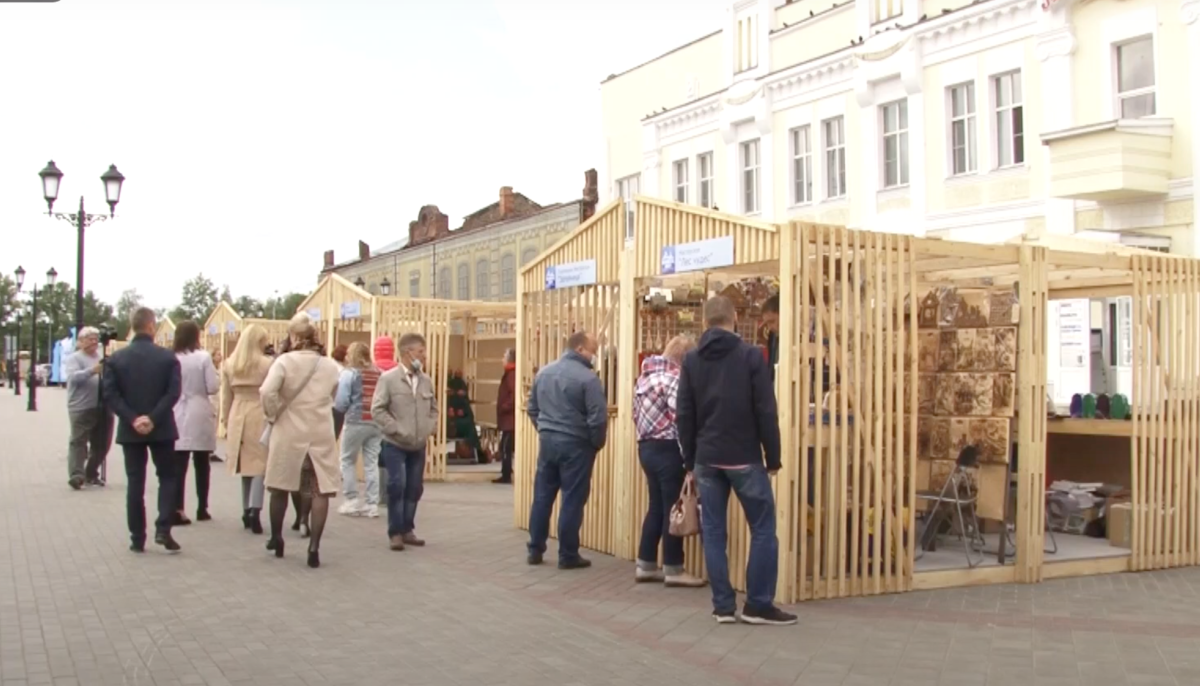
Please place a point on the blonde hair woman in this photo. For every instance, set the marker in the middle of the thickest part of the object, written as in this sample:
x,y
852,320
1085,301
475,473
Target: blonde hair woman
x,y
662,461
356,388
302,455
241,378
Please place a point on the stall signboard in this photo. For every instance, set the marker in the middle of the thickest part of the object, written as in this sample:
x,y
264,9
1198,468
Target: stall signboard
x,y
1125,332
1073,327
212,329
697,256
351,310
314,313
581,273
230,327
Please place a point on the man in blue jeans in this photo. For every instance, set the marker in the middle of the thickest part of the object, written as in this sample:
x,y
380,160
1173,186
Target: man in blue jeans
x,y
728,422
568,406
405,408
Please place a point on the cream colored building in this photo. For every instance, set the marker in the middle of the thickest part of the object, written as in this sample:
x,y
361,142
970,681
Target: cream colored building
x,y
476,261
974,120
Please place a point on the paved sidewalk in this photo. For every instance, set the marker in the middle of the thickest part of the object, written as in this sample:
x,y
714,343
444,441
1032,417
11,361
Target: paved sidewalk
x,y
76,608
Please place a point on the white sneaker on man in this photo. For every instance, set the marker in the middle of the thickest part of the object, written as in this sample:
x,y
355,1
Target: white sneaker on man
x,y
350,508
370,511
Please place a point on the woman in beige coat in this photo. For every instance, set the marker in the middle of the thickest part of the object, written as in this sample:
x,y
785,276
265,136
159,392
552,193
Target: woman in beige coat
x,y
302,452
242,410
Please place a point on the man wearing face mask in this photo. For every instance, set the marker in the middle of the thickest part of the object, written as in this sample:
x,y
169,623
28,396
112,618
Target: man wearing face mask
x,y
569,409
405,409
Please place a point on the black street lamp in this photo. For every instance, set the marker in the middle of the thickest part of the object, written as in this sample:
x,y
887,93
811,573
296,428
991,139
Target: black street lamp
x,y
385,286
51,179
51,277
20,274
359,282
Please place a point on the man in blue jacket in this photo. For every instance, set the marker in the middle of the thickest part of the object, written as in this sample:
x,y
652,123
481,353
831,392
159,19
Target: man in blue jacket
x,y
141,385
729,432
568,406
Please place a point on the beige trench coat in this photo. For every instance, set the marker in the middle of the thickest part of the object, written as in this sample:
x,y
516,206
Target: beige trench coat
x,y
244,420
305,426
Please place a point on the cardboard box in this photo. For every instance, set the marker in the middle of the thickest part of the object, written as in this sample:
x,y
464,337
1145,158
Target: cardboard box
x,y
1119,525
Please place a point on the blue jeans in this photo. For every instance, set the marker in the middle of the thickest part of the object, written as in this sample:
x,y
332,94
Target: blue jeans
x,y
663,465
564,463
753,490
405,484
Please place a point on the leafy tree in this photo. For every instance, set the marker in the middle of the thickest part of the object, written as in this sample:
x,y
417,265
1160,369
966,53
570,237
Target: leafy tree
x,y
283,307
129,301
248,307
197,301
8,299
226,294
56,315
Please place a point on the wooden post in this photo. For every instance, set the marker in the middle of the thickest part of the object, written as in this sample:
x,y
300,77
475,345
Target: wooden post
x,y
624,441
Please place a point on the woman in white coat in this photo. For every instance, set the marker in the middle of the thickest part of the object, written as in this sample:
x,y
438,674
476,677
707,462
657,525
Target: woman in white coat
x,y
195,417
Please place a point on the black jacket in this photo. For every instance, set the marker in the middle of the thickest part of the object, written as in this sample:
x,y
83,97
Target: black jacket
x,y
143,379
725,409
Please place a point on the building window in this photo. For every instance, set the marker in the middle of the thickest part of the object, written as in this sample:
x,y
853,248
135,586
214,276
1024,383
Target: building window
x,y
704,165
627,188
1135,78
747,44
1010,120
750,166
882,10
527,255
962,129
483,280
895,144
414,283
464,281
681,181
443,289
508,275
834,133
801,165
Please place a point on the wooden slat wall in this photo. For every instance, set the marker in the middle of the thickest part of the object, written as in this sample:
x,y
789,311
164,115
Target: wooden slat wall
x,y
661,223
1166,414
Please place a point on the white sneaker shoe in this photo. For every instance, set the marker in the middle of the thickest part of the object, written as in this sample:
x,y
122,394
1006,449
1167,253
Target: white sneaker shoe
x,y
642,576
349,508
371,512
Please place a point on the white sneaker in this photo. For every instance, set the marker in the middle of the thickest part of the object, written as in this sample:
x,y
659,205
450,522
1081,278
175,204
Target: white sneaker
x,y
349,508
642,576
371,511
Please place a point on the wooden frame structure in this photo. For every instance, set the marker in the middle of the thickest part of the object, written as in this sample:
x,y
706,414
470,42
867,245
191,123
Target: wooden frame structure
x,y
164,334
863,290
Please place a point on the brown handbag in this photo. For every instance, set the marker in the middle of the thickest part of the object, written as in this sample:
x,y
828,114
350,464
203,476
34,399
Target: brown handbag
x,y
685,513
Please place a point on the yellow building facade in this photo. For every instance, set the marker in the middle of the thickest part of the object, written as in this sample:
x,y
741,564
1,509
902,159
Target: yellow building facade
x,y
978,121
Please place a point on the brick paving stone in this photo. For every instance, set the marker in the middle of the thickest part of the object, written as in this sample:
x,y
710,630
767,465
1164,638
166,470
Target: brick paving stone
x,y
77,609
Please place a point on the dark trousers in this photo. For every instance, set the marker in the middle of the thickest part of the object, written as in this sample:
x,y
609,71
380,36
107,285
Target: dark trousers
x,y
507,446
663,464
203,477
339,419
91,437
166,468
753,489
564,463
405,485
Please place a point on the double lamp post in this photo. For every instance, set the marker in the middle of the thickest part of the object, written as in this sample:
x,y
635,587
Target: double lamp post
x,y
51,278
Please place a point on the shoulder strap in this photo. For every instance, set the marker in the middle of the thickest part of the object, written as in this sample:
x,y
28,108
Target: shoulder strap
x,y
307,377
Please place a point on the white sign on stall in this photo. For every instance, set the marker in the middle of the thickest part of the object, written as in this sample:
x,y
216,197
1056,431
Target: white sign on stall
x,y
1073,333
581,273
314,314
697,256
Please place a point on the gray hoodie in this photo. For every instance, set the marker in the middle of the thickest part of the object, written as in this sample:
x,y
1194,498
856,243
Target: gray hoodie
x,y
83,383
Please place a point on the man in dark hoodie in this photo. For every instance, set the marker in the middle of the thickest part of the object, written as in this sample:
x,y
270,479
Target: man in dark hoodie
x,y
728,423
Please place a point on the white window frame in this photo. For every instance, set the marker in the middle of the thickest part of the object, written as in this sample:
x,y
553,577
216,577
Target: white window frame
x,y
800,140
885,10
508,275
483,279
750,178
833,149
746,43
414,283
899,136
704,180
679,170
1007,145
1151,90
464,281
964,125
627,188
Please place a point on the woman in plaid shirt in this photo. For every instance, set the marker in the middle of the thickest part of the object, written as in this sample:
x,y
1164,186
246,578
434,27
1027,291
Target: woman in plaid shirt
x,y
658,451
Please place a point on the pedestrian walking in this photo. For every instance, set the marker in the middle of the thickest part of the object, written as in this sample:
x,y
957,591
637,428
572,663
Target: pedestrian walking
x,y
141,384
245,455
568,406
91,421
506,416
297,399
405,408
728,424
662,463
356,389
195,418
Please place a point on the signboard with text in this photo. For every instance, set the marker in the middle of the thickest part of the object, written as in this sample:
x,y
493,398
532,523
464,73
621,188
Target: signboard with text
x,y
581,273
314,313
351,310
697,256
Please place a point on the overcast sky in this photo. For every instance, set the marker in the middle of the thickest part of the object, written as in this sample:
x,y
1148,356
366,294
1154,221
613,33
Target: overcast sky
x,y
255,134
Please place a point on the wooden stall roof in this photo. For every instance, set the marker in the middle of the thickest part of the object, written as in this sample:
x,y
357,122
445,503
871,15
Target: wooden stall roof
x,y
462,308
222,315
660,223
600,238
331,293
165,331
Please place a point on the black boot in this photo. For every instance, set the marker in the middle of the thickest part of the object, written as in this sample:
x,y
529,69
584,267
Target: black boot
x,y
255,522
246,518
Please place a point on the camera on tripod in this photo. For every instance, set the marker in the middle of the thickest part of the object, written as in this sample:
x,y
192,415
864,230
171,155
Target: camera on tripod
x,y
107,334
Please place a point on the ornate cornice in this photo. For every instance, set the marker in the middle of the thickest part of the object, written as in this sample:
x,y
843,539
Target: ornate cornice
x,y
1058,42
796,81
975,21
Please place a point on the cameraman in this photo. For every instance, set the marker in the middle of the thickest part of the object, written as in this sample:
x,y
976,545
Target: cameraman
x,y
91,422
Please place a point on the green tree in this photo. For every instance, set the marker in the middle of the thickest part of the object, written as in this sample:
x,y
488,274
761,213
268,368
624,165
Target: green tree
x,y
56,315
248,307
282,307
226,294
129,301
197,301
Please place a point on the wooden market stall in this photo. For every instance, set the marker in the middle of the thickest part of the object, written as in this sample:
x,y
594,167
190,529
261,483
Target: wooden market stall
x,y
219,331
164,335
927,346
342,312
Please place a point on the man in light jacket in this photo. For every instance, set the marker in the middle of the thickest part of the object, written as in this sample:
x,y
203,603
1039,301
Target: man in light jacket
x,y
91,422
405,408
568,406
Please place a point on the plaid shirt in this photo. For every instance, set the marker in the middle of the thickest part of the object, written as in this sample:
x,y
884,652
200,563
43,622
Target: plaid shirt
x,y
654,400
